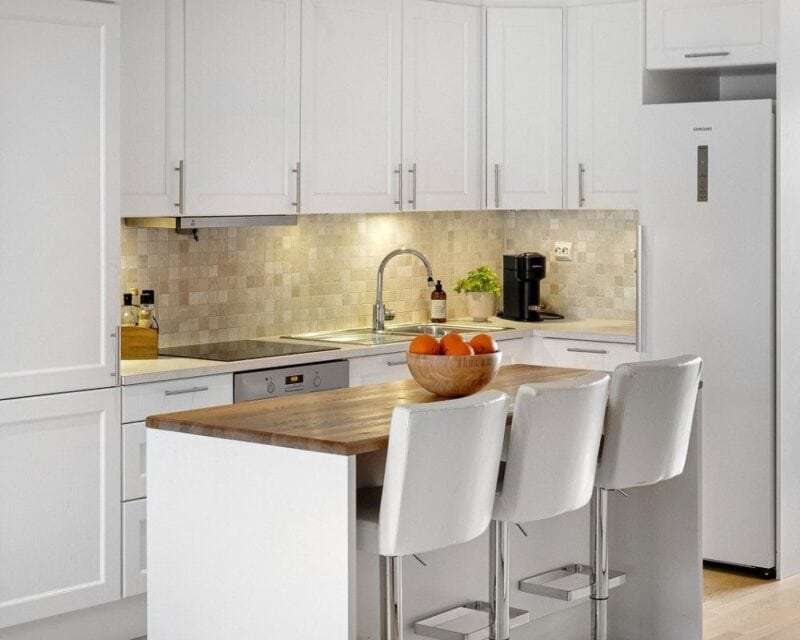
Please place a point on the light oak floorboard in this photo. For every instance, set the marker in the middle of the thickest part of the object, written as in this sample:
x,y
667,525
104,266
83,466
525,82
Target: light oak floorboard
x,y
740,607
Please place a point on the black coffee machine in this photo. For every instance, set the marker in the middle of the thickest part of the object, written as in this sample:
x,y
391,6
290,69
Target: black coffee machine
x,y
521,276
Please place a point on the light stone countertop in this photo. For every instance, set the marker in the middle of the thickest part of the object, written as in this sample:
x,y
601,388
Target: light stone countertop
x,y
141,371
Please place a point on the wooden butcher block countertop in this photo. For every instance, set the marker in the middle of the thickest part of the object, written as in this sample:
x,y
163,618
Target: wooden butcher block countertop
x,y
341,421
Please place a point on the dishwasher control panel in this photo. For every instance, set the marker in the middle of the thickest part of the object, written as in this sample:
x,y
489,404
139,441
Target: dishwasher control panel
x,y
287,381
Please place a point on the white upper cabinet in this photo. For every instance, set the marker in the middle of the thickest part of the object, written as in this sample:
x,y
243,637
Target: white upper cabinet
x,y
525,108
351,84
59,195
604,99
152,106
711,33
242,106
60,496
441,105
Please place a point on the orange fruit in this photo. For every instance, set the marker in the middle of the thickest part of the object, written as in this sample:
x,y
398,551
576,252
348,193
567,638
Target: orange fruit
x,y
458,348
450,339
483,343
424,345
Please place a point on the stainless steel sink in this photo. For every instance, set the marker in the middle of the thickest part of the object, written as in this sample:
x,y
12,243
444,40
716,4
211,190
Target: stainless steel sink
x,y
393,334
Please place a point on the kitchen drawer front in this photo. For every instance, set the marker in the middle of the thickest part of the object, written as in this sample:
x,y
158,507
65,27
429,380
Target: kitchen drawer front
x,y
388,367
516,350
134,548
586,354
134,461
142,400
711,33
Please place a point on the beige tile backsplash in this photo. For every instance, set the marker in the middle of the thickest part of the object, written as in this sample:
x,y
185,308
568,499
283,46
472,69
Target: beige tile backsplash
x,y
241,283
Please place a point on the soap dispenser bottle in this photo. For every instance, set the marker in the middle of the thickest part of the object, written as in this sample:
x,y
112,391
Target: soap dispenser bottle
x,y
438,304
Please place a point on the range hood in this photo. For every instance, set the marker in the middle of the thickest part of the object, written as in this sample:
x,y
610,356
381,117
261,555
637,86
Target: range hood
x,y
192,223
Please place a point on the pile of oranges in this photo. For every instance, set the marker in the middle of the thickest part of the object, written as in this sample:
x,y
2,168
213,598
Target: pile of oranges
x,y
453,344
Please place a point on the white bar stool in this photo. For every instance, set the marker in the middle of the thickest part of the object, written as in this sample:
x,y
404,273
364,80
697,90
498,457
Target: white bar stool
x,y
438,487
647,431
552,457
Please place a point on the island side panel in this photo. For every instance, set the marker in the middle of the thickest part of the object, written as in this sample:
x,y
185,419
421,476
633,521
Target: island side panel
x,y
655,538
248,541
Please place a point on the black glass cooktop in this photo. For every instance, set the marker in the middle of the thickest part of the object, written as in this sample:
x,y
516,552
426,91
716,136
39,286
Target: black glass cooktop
x,y
240,350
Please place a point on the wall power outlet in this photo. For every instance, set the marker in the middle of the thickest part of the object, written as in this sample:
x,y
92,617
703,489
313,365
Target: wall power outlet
x,y
563,251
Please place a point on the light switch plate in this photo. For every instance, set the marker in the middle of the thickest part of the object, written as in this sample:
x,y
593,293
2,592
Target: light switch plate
x,y
563,251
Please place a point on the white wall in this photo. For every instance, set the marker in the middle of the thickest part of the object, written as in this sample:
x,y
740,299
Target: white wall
x,y
788,283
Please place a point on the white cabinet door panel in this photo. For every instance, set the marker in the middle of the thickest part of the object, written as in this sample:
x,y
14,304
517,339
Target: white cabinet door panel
x,y
586,354
59,504
685,34
242,105
152,106
134,548
389,367
516,350
351,105
604,102
134,461
441,105
525,108
59,195
142,400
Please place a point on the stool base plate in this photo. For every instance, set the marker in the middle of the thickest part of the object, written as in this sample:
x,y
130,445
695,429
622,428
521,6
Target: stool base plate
x,y
470,621
567,583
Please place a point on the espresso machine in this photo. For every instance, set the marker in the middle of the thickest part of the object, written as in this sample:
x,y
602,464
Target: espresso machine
x,y
521,277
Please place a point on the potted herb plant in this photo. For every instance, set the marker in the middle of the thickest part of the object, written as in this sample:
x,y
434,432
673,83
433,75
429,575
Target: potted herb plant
x,y
481,286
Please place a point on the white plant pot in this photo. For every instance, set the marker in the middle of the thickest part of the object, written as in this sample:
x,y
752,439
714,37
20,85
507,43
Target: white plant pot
x,y
480,305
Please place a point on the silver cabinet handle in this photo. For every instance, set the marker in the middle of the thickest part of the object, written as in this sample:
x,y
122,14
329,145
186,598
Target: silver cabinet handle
x,y
581,194
399,173
496,185
181,169
117,335
296,172
413,172
179,392
708,54
396,363
639,282
600,352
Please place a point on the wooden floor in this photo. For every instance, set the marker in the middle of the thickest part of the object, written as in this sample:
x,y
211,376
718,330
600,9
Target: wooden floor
x,y
738,607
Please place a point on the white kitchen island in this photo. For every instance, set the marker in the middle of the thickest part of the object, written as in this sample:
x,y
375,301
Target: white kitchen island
x,y
252,530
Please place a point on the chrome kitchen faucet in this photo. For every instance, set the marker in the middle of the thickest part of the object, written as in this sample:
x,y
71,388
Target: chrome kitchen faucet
x,y
379,312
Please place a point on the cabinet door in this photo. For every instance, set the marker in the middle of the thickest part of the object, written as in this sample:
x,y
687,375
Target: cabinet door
x,y
586,354
604,87
351,105
59,504
134,461
516,350
134,548
242,106
525,105
152,106
685,34
59,195
441,106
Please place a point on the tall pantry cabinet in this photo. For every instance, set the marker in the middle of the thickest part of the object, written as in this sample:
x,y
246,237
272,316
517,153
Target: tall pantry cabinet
x,y
59,274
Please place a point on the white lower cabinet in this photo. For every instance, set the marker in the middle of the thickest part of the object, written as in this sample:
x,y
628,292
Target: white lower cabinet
x,y
134,548
134,461
586,354
388,367
516,350
59,504
142,400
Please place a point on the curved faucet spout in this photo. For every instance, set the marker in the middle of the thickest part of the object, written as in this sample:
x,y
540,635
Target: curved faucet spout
x,y
378,309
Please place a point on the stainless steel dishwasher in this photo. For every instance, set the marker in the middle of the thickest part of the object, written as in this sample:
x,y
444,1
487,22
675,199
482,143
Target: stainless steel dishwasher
x,y
288,381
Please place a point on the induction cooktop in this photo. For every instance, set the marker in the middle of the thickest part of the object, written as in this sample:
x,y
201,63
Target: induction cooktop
x,y
240,350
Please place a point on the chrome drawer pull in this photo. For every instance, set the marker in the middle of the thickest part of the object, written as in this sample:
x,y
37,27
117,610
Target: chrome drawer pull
x,y
710,54
601,352
178,392
396,363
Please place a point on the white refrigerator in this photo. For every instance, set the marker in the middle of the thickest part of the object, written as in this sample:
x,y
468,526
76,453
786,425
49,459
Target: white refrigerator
x,y
708,287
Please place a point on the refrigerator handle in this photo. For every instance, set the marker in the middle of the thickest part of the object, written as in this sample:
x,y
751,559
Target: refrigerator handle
x,y
639,262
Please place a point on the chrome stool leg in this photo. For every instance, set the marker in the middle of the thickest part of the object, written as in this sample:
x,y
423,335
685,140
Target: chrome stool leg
x,y
499,582
599,564
392,598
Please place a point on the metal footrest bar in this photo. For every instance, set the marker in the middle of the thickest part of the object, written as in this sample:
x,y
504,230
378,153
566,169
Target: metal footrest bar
x,y
470,621
567,583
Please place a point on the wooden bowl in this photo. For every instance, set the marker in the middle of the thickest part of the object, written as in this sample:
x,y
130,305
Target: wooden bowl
x,y
454,376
